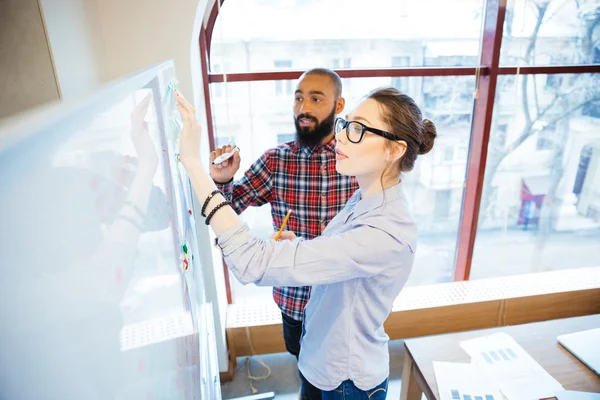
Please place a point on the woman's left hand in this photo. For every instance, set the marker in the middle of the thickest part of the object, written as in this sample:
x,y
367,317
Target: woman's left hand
x,y
189,144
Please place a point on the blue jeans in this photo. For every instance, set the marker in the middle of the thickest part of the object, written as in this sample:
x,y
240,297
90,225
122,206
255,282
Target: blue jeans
x,y
347,391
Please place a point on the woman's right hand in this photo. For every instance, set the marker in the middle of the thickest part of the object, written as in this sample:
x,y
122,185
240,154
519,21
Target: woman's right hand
x,y
225,171
285,235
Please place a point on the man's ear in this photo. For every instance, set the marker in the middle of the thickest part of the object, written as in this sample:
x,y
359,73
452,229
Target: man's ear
x,y
339,105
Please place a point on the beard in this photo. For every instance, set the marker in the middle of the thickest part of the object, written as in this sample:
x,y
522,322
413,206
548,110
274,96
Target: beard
x,y
311,137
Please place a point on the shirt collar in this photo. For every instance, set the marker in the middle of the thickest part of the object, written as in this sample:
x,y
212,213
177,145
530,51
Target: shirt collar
x,y
360,205
329,146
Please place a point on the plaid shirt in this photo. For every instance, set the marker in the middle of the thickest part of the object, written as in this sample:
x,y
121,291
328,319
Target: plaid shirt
x,y
301,179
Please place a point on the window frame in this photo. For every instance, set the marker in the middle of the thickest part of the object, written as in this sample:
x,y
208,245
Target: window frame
x,y
487,73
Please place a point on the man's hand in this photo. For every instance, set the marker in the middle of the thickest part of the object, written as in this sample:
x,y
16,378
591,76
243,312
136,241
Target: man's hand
x,y
224,171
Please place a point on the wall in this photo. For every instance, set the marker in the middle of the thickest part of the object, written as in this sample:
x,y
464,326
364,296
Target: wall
x,y
75,39
26,73
140,33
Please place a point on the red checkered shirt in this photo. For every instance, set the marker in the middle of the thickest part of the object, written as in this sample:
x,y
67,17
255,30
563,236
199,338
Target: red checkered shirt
x,y
298,178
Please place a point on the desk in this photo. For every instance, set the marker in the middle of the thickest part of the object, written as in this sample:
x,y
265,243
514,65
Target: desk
x,y
538,339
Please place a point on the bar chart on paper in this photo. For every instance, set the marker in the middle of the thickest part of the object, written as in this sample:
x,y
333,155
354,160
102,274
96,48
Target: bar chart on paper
x,y
458,381
457,395
499,355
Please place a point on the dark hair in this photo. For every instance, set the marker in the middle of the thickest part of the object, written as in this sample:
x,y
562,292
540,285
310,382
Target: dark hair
x,y
332,75
405,121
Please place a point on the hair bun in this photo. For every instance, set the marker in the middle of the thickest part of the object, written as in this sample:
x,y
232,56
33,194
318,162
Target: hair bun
x,y
429,135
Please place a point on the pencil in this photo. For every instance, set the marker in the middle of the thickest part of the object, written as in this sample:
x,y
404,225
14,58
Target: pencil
x,y
285,220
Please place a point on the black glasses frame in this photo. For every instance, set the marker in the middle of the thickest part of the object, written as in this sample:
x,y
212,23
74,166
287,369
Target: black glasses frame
x,y
365,128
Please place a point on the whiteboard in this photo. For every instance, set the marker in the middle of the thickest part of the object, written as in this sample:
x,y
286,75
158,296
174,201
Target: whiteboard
x,y
101,295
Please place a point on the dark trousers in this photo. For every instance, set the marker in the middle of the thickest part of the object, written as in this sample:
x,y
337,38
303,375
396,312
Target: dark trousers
x,y
348,391
292,332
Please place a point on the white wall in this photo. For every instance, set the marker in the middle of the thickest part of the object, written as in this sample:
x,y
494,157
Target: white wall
x,y
75,40
140,33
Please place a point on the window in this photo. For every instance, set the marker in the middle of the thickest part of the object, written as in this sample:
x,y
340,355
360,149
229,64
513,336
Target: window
x,y
216,88
224,140
264,129
283,88
499,138
283,138
523,156
442,203
535,216
545,139
253,31
449,154
462,153
400,83
345,63
556,27
553,81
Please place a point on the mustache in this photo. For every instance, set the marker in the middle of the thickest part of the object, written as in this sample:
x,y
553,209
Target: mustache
x,y
306,116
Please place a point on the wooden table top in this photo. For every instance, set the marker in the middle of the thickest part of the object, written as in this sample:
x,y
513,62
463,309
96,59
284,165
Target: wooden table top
x,y
538,339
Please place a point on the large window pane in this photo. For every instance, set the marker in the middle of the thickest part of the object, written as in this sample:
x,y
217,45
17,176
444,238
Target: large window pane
x,y
540,208
252,35
551,32
256,118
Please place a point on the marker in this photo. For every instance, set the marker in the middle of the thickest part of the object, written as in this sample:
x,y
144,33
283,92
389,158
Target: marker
x,y
285,220
225,156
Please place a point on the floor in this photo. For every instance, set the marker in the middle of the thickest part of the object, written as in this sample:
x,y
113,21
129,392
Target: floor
x,y
284,380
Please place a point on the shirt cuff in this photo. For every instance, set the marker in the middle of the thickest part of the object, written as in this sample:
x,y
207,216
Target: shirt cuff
x,y
234,238
225,187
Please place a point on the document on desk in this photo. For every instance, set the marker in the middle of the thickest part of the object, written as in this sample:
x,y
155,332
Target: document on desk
x,y
458,381
518,375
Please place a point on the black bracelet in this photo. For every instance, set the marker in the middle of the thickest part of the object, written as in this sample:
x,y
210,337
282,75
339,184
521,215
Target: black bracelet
x,y
223,204
210,196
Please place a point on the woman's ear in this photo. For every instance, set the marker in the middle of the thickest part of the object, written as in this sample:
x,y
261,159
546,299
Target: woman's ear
x,y
397,150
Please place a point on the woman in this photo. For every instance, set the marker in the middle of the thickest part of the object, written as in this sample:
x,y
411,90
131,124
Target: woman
x,y
363,258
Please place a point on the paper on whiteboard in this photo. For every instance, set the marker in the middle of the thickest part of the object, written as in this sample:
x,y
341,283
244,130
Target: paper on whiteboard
x,y
519,376
458,381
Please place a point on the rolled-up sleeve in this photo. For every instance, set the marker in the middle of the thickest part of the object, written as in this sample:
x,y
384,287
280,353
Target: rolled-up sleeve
x,y
357,253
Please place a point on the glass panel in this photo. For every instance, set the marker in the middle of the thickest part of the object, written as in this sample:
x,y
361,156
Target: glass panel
x,y
259,120
551,32
249,35
540,208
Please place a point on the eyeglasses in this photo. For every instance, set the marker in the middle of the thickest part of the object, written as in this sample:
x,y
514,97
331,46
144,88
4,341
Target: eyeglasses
x,y
355,130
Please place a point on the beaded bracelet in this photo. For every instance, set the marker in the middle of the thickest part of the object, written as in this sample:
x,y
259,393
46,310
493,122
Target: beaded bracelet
x,y
223,204
210,196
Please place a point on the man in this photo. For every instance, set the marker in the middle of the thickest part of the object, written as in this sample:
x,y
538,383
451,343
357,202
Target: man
x,y
300,176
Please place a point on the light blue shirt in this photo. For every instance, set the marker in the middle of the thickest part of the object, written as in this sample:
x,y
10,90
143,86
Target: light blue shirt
x,y
356,269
